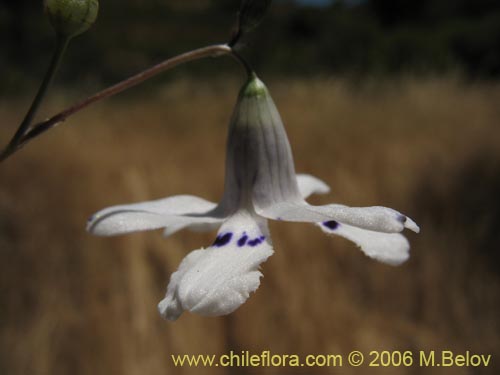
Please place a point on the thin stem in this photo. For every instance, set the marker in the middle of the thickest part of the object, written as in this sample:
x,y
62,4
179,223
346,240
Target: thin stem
x,y
61,45
243,62
42,127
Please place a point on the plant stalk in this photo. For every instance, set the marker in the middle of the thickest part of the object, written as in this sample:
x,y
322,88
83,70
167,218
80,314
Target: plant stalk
x,y
42,127
61,45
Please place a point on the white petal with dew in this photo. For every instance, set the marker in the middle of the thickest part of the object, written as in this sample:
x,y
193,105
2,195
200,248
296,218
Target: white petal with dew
x,y
389,248
217,280
309,185
177,210
380,219
195,227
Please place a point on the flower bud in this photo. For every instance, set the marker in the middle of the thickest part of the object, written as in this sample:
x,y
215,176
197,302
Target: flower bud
x,y
71,17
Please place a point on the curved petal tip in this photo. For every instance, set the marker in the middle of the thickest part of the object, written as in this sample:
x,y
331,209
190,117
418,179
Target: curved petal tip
x,y
309,185
411,225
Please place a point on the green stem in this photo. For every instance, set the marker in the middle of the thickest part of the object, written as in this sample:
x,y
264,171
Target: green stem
x,y
62,43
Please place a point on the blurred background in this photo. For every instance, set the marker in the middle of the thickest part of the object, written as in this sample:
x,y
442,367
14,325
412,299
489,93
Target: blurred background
x,y
393,103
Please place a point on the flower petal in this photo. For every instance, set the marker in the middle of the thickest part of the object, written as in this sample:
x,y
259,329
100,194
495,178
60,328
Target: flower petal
x,y
390,248
259,162
217,280
195,227
376,218
180,210
309,185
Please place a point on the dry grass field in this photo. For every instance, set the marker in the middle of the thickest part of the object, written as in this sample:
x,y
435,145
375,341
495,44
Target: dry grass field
x,y
75,304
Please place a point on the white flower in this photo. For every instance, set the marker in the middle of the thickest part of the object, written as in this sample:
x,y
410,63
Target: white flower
x,y
260,184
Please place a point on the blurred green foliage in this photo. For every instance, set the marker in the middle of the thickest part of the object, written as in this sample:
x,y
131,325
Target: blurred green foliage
x,y
378,37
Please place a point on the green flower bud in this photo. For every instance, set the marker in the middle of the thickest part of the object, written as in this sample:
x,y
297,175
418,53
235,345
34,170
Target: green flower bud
x,y
71,17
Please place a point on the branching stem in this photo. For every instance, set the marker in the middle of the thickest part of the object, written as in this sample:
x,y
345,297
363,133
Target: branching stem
x,y
61,45
29,134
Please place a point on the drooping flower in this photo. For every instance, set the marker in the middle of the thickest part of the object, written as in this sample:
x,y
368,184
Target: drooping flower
x,y
260,184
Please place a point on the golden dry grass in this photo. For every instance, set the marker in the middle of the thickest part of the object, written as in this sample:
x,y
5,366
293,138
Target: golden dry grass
x,y
74,304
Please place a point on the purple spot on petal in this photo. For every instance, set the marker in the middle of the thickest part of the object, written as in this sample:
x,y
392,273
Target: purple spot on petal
x,y
256,241
243,240
222,239
332,224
